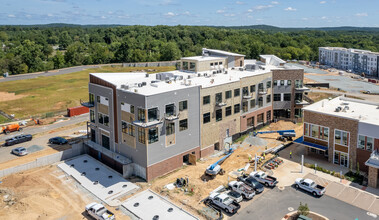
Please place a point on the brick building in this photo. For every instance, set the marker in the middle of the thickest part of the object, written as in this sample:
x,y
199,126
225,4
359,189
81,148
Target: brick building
x,y
345,131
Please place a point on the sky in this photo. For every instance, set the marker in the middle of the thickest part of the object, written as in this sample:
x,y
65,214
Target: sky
x,y
281,13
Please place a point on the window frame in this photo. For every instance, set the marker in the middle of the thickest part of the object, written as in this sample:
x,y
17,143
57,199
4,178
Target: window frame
x,y
206,115
228,111
182,106
237,92
170,128
181,127
218,114
208,98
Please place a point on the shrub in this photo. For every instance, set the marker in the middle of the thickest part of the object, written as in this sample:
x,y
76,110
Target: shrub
x,y
303,209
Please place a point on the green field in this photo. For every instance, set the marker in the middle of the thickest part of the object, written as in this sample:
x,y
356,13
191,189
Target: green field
x,y
3,119
55,93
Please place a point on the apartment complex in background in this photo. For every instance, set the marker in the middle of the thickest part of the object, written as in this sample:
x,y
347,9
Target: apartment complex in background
x,y
345,131
150,124
359,61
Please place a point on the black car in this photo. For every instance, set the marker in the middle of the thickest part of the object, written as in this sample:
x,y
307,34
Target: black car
x,y
18,139
58,140
252,182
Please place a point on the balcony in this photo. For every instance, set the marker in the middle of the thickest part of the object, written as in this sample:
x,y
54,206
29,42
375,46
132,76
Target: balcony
x,y
246,96
87,104
220,104
302,89
301,102
171,116
262,91
143,124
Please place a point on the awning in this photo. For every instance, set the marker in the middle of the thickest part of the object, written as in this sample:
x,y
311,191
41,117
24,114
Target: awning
x,y
311,145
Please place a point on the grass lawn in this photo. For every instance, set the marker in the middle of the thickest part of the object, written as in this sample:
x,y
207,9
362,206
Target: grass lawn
x,y
317,96
55,93
3,119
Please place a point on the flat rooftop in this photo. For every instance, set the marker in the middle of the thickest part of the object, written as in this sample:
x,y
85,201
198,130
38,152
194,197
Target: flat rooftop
x,y
203,58
350,108
183,80
351,50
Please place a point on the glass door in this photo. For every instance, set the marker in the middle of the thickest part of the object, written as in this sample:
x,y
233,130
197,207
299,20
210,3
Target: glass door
x,y
344,160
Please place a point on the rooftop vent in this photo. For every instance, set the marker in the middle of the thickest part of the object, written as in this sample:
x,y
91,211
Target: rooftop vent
x,y
226,72
240,69
147,75
139,84
143,83
125,87
338,109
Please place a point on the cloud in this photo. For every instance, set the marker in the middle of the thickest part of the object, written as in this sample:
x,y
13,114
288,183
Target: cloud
x,y
49,15
275,3
250,10
221,11
304,19
103,17
322,2
11,16
170,14
240,3
229,15
168,2
186,13
324,17
262,7
361,14
290,9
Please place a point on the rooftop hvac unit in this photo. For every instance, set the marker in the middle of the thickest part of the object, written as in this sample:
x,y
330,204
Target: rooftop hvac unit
x,y
146,75
153,84
226,72
180,77
241,68
338,109
143,83
154,81
139,84
198,75
214,72
125,87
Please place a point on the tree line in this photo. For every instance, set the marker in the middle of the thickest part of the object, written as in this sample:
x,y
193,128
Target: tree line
x,y
26,49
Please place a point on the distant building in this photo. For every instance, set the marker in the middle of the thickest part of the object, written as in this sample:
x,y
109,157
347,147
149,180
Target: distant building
x,y
346,132
359,61
160,121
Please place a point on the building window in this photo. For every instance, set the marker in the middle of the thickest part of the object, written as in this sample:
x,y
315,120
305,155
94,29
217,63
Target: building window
x,y
192,66
228,94
250,122
325,134
236,92
98,99
218,114
206,117
132,109
245,107
370,144
287,97
152,114
260,102
260,118
141,114
252,88
170,128
361,142
228,111
315,131
252,103
245,91
268,116
344,138
124,127
153,135
141,135
289,82
206,99
218,97
106,120
183,105
298,83
237,108
185,65
131,130
260,87
92,116
341,137
275,82
91,98
306,129
268,98
282,82
183,124
276,97
268,84
170,110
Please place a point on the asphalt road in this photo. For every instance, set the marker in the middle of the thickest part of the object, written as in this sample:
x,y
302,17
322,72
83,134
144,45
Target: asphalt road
x,y
275,204
38,129
370,98
49,73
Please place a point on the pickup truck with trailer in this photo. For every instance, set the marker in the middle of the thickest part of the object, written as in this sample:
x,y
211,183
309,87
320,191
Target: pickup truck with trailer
x,y
263,178
309,186
246,191
224,202
18,139
99,212
252,182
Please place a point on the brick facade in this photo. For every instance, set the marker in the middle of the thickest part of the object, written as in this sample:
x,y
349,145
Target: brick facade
x,y
207,151
339,123
168,165
373,177
254,114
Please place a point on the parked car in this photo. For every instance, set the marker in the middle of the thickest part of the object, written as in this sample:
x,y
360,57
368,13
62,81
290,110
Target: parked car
x,y
18,139
263,178
20,151
224,202
58,140
309,186
252,182
246,191
99,212
236,196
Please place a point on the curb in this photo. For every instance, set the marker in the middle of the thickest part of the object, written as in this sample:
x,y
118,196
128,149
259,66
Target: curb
x,y
288,215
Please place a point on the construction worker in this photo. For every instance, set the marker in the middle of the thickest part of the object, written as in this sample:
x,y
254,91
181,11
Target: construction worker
x,y
291,154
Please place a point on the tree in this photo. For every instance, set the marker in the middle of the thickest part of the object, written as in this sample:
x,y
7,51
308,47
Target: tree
x,y
64,40
58,60
3,36
47,50
170,51
75,54
303,209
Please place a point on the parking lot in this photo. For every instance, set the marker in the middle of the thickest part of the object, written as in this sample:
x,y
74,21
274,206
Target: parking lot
x,y
275,204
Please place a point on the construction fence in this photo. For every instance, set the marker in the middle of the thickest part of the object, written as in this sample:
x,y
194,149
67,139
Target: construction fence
x,y
151,64
76,150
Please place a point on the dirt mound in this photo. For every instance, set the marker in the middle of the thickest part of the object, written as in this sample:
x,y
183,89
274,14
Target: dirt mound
x,y
6,96
282,125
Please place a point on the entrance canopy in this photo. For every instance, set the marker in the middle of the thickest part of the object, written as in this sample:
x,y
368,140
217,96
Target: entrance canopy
x,y
373,161
311,145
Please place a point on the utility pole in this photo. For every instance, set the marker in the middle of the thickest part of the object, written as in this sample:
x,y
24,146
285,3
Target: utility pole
x,y
302,163
255,163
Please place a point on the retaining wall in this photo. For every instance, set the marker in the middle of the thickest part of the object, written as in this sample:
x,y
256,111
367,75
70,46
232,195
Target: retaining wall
x,y
76,150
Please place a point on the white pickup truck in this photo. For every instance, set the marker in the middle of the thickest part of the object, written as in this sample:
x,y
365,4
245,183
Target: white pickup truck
x,y
224,202
309,186
99,212
246,191
263,178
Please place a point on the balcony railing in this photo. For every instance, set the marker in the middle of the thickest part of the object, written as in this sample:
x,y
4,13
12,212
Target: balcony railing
x,y
87,104
262,91
302,88
220,104
301,102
